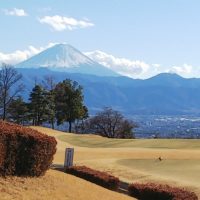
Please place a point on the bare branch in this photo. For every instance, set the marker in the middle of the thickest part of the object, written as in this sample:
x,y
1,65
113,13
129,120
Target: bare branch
x,y
9,89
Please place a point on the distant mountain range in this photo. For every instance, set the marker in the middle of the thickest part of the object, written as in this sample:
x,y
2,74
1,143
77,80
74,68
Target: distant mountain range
x,y
164,94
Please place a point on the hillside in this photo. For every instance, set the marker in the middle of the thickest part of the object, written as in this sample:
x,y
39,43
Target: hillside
x,y
167,94
135,160
54,185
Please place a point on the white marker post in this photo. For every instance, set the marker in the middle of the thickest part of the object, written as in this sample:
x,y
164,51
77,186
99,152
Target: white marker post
x,y
69,155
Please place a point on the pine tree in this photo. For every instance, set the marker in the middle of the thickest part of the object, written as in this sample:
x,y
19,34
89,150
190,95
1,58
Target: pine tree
x,y
38,105
80,122
69,102
50,97
18,111
49,85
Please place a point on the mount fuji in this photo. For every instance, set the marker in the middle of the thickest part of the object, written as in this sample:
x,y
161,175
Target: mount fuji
x,y
66,58
164,94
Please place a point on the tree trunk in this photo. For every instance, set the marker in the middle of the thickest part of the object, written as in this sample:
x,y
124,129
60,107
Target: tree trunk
x,y
52,124
4,113
70,126
4,107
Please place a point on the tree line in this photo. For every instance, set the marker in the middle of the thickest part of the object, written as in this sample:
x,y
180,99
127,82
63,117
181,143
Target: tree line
x,y
57,103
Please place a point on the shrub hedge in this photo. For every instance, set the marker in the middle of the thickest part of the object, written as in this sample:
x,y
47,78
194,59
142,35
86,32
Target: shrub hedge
x,y
24,151
100,178
151,191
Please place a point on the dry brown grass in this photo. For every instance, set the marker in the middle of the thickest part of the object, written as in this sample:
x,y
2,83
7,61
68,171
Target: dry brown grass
x,y
54,186
136,161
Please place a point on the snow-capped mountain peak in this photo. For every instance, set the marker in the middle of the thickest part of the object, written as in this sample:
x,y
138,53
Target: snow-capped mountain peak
x,y
67,58
60,55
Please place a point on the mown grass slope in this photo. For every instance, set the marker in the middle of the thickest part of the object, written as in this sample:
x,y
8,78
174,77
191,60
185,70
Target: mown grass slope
x,y
135,160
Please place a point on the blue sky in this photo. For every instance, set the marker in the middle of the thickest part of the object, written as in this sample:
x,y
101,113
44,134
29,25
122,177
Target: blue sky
x,y
151,36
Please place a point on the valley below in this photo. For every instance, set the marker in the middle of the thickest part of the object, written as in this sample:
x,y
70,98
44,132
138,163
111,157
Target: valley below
x,y
167,126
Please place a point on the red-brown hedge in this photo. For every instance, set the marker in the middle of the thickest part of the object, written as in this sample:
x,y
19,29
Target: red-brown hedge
x,y
151,191
24,151
100,178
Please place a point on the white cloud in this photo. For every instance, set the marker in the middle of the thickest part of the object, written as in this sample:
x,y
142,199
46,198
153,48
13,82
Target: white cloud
x,y
156,65
15,12
60,23
182,70
123,66
21,55
185,70
140,69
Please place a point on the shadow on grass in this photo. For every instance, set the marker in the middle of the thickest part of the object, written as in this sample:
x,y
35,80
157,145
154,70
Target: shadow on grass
x,y
123,186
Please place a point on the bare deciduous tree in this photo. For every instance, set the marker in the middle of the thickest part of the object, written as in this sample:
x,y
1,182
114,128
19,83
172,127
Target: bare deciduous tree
x,y
10,87
110,123
49,83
